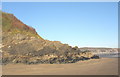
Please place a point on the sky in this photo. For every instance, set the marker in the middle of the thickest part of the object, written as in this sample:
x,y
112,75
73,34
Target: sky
x,y
82,24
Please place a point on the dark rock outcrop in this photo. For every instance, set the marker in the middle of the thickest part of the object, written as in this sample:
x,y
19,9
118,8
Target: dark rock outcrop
x,y
22,44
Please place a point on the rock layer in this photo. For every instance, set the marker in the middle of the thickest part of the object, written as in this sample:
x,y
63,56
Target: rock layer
x,y
22,44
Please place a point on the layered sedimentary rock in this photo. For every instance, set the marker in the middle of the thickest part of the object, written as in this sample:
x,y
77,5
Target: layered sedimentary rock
x,y
22,44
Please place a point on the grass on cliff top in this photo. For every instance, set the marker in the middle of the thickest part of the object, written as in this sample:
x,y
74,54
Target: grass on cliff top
x,y
16,31
7,26
6,21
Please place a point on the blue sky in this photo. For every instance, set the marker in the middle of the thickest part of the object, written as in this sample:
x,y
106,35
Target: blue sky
x,y
82,24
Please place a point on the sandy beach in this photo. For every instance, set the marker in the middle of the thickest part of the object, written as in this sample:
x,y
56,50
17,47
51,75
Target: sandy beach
x,y
104,66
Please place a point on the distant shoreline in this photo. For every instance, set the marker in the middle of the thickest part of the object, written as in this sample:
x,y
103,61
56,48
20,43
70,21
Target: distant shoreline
x,y
109,55
96,47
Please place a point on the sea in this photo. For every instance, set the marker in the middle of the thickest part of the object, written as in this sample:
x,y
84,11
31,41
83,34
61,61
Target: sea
x,y
110,55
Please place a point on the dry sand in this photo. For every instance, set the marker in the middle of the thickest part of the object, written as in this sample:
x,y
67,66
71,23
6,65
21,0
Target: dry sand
x,y
104,66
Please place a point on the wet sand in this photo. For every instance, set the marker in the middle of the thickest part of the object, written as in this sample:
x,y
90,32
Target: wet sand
x,y
104,66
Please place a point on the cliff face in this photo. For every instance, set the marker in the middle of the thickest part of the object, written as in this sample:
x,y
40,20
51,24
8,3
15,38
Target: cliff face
x,y
10,22
14,31
22,44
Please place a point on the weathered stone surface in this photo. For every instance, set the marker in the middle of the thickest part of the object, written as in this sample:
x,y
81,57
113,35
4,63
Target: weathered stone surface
x,y
22,44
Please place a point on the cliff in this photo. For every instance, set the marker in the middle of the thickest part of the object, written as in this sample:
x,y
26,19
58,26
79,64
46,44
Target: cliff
x,y
22,44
